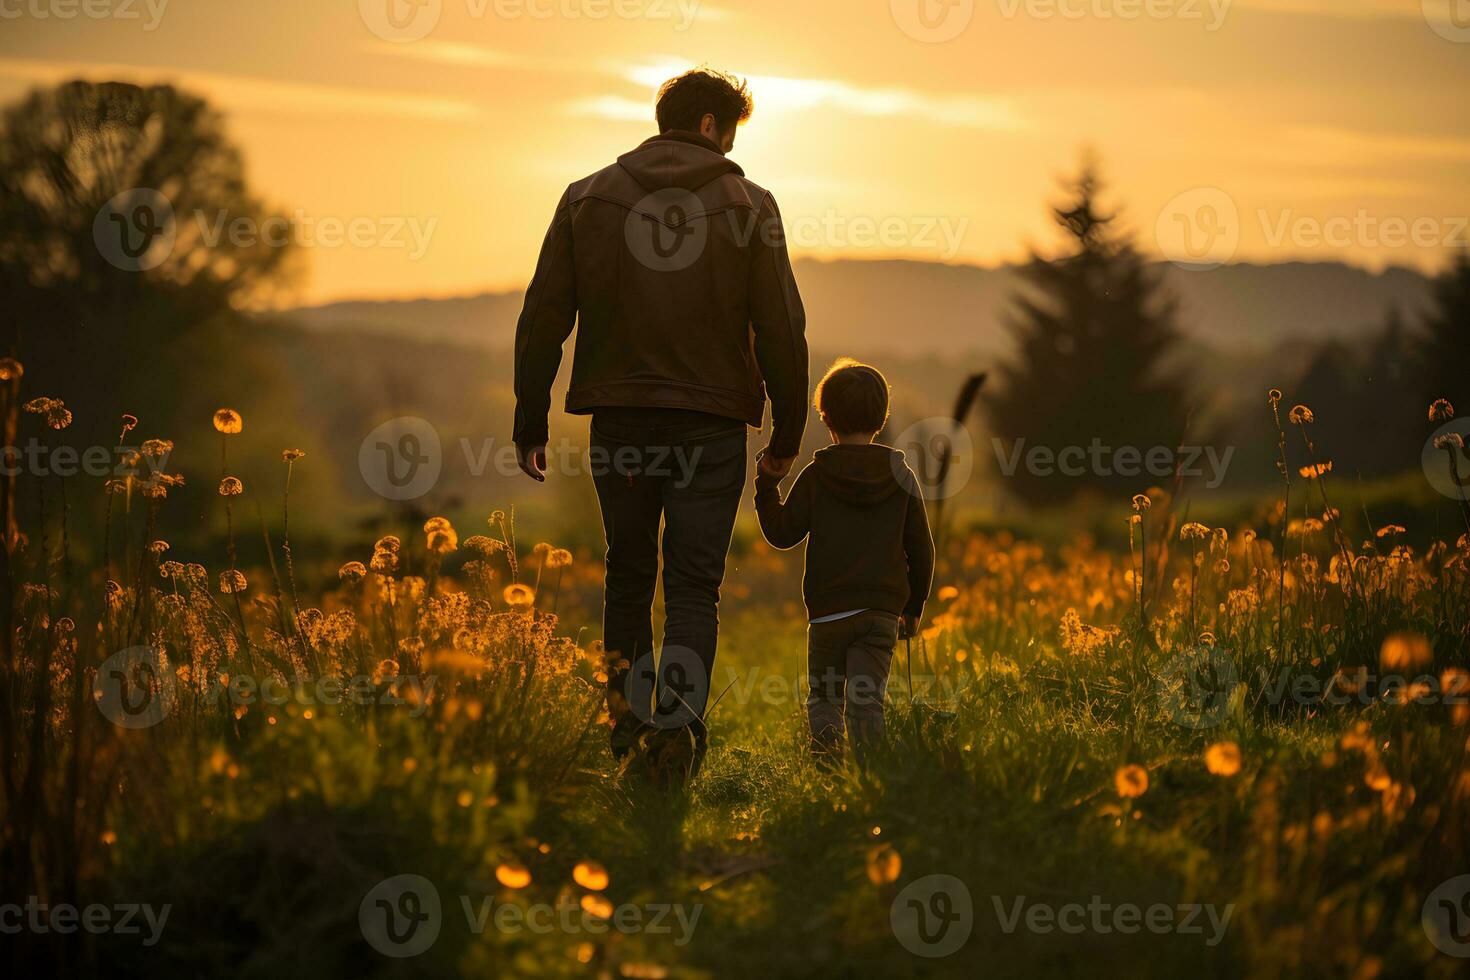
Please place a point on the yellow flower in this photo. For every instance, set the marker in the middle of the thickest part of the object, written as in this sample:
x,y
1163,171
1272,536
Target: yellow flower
x,y
292,455
519,596
154,448
10,369
1404,651
513,874
1193,532
352,571
1440,411
597,906
1301,415
1131,781
231,582
231,486
1223,758
228,421
558,558
1141,502
884,864
948,592
1387,530
590,875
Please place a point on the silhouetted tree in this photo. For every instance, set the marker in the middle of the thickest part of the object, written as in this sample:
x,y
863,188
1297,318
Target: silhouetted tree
x,y
1091,334
99,306
1445,367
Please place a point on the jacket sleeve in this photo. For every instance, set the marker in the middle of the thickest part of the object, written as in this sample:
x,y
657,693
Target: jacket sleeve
x,y
786,523
918,546
546,321
779,322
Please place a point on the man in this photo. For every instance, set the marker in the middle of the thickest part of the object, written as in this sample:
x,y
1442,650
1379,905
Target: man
x,y
674,267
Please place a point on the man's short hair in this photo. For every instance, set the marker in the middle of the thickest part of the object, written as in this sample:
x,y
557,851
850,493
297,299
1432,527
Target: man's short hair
x,y
684,101
852,397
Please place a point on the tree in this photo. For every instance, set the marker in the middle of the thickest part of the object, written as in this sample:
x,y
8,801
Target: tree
x,y
115,208
1092,333
1445,363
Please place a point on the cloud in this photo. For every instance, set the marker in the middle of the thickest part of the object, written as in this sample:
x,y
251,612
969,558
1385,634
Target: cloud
x,y
242,93
1340,9
784,94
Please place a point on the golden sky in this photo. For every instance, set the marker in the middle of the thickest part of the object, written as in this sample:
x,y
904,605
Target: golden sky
x,y
1245,130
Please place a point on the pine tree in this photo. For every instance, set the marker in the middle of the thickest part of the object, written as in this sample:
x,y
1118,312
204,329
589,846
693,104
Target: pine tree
x,y
1092,333
1445,369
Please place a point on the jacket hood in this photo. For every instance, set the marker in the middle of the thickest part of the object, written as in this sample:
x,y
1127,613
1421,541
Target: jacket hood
x,y
686,161
859,475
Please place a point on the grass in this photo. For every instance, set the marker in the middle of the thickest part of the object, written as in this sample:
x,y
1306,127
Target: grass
x,y
1064,735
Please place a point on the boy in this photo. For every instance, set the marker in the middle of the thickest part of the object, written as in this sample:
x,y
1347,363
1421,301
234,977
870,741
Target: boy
x,y
869,557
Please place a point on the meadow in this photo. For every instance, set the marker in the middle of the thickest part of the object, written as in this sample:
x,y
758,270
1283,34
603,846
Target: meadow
x,y
1167,747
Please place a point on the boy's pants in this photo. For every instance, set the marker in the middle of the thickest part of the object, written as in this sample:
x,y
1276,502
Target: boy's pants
x,y
847,670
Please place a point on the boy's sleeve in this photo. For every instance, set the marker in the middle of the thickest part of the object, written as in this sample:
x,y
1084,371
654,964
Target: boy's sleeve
x,y
918,546
783,524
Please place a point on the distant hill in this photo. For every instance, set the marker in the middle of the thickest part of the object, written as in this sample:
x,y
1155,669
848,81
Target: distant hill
x,y
873,307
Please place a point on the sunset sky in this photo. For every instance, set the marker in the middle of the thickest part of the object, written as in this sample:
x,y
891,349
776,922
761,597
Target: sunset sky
x,y
878,137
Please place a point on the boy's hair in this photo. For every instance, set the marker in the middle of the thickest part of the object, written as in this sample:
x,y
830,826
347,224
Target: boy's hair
x,y
852,397
683,101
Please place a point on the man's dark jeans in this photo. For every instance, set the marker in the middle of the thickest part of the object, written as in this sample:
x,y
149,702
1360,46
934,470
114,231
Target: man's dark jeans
x,y
686,471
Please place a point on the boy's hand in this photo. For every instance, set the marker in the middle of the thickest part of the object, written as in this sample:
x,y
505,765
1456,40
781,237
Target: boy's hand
x,y
908,626
532,461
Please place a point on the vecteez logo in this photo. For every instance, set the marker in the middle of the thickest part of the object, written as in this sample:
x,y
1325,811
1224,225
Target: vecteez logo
x,y
401,916
135,687
402,458
136,229
667,231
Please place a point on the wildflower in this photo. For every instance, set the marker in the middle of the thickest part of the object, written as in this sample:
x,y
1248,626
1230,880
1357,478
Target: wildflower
x,y
157,548
291,455
157,448
1391,529
884,864
1193,532
1131,781
590,875
482,545
1223,758
228,422
558,558
384,562
1274,396
597,906
11,369
1301,415
497,517
519,596
1449,442
1141,503
160,484
232,582
442,538
948,592
1316,469
352,571
59,417
231,486
513,874
1441,410
1404,651
40,406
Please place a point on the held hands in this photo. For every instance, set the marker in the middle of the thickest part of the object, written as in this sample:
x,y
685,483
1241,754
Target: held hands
x,y
774,468
532,460
908,626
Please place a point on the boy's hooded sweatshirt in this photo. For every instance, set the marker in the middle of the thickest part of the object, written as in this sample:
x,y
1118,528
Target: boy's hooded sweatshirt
x,y
869,544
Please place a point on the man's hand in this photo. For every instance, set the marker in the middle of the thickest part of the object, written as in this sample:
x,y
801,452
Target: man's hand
x,y
532,460
908,626
773,467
